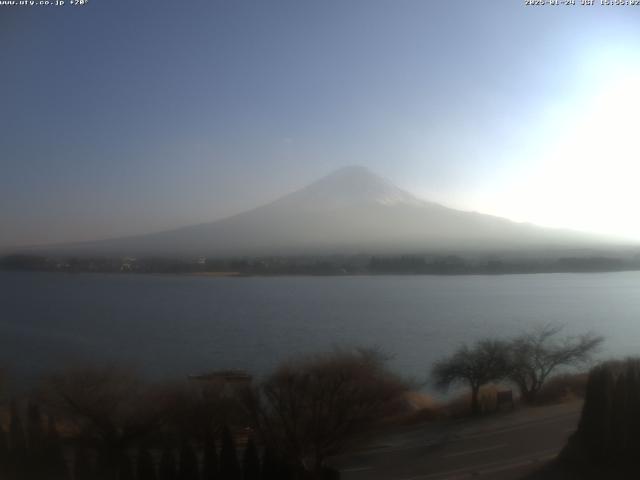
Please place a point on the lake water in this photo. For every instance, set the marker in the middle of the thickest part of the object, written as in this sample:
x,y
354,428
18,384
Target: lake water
x,y
170,326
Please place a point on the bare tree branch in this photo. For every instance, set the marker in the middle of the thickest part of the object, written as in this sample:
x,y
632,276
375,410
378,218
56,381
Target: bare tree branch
x,y
536,354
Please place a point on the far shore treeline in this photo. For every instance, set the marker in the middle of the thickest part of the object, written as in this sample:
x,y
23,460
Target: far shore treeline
x,y
432,264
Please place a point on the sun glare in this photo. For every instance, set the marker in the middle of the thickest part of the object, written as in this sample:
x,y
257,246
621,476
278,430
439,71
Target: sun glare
x,y
587,176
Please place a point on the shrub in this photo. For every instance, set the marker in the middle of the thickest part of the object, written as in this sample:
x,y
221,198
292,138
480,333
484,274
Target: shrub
x,y
313,408
562,388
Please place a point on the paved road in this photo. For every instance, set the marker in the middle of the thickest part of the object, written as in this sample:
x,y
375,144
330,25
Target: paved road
x,y
501,447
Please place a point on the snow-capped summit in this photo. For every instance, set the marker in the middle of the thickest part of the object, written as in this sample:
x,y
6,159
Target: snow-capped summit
x,y
348,187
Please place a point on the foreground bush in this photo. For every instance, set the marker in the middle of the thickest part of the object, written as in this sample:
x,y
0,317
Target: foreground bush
x,y
563,388
609,428
311,409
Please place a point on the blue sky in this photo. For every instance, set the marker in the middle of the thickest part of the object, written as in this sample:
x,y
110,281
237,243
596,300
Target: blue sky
x,y
125,117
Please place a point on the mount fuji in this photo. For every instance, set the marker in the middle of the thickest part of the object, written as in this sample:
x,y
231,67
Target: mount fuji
x,y
350,211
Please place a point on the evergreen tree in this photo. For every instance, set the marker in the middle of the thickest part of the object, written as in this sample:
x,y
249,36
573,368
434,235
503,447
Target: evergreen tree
x,y
269,465
610,423
594,424
4,454
229,466
330,474
145,467
17,443
633,400
210,460
619,420
35,432
285,471
188,462
125,469
250,462
82,465
35,465
168,469
53,454
107,464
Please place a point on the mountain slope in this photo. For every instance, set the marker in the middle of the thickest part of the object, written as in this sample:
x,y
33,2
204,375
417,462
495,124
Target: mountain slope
x,y
350,211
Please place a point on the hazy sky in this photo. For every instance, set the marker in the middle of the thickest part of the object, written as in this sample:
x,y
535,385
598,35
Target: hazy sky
x,y
125,117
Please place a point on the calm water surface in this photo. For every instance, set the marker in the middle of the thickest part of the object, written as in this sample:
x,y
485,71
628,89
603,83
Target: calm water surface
x,y
175,325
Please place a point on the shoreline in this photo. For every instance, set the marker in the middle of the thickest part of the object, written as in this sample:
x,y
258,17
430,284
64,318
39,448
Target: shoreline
x,y
231,274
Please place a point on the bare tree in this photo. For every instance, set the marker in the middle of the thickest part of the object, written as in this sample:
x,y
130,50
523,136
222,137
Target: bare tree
x,y
486,361
109,406
312,408
536,354
198,409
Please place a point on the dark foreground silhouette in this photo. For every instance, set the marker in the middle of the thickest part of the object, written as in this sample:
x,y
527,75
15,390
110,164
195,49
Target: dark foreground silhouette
x,y
106,424
606,444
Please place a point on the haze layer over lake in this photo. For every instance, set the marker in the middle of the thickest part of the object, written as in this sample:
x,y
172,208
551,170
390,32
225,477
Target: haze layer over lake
x,y
171,326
